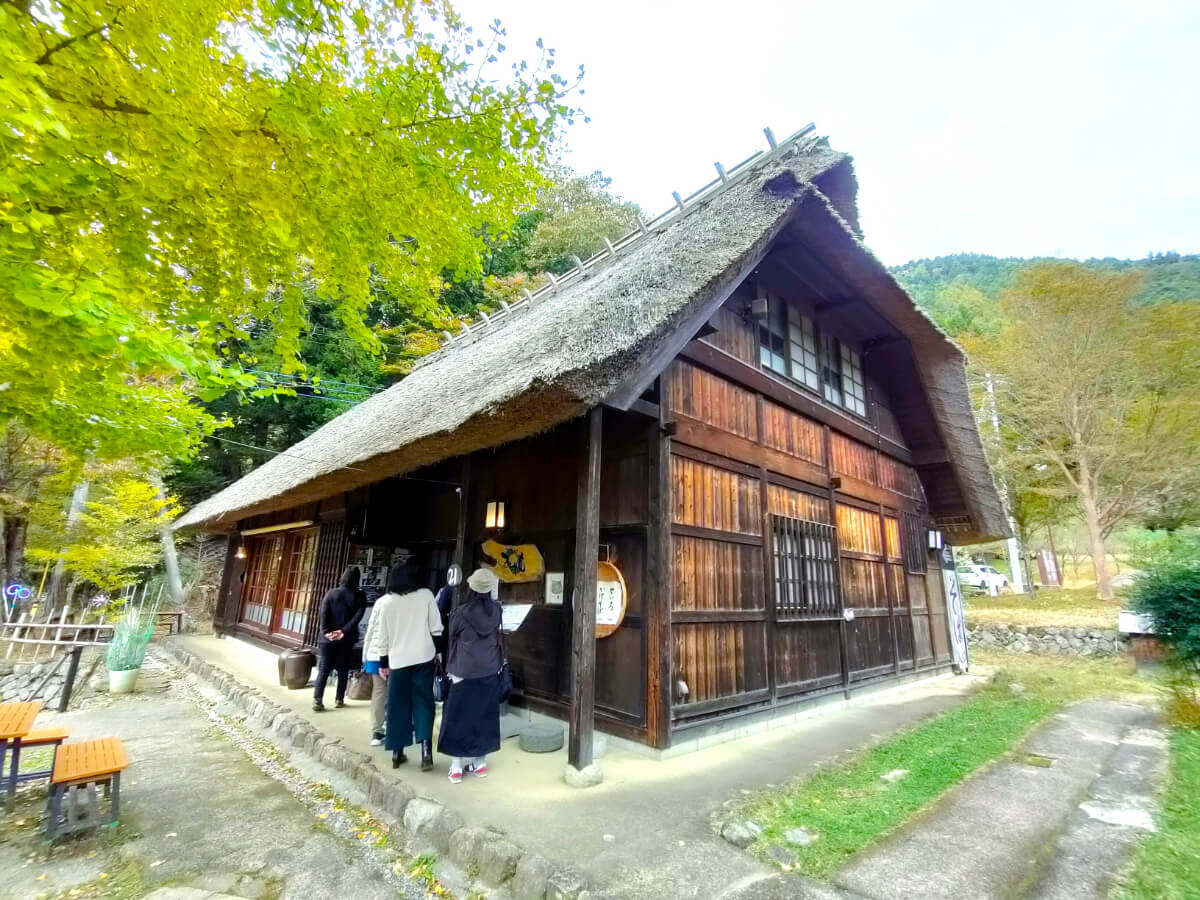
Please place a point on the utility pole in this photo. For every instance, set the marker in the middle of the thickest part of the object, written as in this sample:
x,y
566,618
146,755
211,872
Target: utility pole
x,y
1014,549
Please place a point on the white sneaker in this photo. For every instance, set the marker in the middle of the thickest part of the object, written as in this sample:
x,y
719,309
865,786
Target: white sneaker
x,y
376,742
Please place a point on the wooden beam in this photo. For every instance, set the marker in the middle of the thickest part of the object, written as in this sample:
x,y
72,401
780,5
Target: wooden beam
x,y
583,598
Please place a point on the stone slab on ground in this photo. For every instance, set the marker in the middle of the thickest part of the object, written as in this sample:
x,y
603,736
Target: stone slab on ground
x,y
1014,829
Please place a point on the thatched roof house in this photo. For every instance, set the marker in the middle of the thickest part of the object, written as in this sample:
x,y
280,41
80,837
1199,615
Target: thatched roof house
x,y
580,344
736,402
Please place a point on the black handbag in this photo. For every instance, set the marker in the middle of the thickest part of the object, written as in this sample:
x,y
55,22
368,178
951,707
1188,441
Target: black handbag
x,y
505,673
441,681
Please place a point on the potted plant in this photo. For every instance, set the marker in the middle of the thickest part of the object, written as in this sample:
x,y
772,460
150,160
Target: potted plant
x,y
127,652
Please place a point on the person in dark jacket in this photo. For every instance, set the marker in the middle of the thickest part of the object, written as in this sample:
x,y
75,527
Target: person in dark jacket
x,y
341,610
445,604
471,715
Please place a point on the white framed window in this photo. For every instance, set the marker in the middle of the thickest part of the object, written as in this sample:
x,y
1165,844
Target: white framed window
x,y
854,392
802,349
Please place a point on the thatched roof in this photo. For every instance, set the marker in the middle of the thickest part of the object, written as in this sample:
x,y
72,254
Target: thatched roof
x,y
575,347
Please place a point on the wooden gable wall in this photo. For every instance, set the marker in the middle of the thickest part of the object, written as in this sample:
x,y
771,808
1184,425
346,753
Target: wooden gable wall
x,y
747,446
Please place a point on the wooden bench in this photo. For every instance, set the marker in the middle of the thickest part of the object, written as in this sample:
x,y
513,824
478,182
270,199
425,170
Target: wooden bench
x,y
51,736
16,721
78,770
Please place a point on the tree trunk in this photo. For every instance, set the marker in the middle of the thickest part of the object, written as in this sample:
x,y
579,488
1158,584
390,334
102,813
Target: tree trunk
x,y
78,498
170,559
1091,519
14,549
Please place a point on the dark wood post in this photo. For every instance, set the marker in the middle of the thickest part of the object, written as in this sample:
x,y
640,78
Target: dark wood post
x,y
460,532
658,579
583,598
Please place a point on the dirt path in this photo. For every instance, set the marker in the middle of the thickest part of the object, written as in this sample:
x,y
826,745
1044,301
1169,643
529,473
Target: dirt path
x,y
199,817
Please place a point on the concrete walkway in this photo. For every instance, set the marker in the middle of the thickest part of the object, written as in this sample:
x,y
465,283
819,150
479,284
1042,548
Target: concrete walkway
x,y
199,819
1056,819
646,831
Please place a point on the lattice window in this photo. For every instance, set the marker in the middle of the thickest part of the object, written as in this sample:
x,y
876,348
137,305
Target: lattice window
x,y
262,581
804,569
916,557
298,581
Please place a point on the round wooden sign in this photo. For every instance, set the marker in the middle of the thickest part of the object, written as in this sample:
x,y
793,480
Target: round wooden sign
x,y
610,599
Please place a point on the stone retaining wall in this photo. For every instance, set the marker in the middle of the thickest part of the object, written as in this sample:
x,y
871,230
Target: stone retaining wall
x,y
18,680
1062,641
422,825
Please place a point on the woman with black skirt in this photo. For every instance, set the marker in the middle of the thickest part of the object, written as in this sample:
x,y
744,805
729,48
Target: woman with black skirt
x,y
471,715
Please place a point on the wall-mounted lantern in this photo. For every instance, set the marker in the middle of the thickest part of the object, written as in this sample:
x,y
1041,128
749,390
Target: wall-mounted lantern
x,y
241,551
935,540
493,519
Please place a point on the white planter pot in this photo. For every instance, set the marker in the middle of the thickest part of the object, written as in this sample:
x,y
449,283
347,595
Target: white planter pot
x,y
122,681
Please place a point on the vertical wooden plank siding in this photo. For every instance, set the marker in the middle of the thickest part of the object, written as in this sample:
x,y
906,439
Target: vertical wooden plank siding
x,y
583,597
792,433
734,335
709,398
849,457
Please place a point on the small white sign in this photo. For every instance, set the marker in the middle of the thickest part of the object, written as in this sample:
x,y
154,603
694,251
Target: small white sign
x,y
556,586
512,615
608,602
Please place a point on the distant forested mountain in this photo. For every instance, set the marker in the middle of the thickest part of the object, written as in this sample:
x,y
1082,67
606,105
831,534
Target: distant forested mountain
x,y
956,290
1170,276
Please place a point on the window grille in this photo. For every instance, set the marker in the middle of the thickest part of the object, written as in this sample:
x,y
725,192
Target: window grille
x,y
915,554
804,569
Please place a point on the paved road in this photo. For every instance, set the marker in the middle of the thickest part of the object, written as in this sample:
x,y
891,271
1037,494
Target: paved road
x,y
197,814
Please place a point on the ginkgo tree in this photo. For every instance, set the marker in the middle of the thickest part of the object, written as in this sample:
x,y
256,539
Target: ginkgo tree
x,y
173,174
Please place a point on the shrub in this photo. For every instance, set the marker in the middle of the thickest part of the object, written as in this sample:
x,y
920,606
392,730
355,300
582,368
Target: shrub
x,y
1170,595
131,637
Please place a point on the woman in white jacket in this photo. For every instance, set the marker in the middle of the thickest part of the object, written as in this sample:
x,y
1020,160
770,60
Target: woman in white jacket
x,y
400,636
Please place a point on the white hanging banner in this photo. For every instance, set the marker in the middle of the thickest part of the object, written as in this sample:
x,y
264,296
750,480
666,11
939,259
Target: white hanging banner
x,y
954,609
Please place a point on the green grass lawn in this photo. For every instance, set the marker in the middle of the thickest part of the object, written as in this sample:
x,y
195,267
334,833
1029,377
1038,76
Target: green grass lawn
x,y
849,806
1167,864
1060,607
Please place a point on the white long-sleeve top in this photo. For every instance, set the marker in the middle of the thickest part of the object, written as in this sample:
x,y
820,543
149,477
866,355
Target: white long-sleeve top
x,y
401,629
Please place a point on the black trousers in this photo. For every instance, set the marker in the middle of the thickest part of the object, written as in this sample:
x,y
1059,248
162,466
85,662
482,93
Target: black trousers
x,y
332,657
410,705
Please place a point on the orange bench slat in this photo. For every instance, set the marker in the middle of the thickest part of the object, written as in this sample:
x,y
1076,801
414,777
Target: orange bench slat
x,y
17,718
52,734
89,759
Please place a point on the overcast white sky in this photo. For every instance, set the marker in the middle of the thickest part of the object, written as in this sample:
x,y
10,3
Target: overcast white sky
x,y
1012,128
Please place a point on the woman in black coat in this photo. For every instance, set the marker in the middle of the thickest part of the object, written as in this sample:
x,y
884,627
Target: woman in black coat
x,y
341,610
471,715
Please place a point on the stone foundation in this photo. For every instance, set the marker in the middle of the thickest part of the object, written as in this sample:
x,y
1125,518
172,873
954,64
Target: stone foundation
x,y
1059,641
495,864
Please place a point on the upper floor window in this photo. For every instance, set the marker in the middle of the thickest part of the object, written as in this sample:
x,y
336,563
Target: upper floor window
x,y
788,344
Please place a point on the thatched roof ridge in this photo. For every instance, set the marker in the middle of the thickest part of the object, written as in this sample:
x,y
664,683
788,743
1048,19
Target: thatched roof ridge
x,y
558,358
